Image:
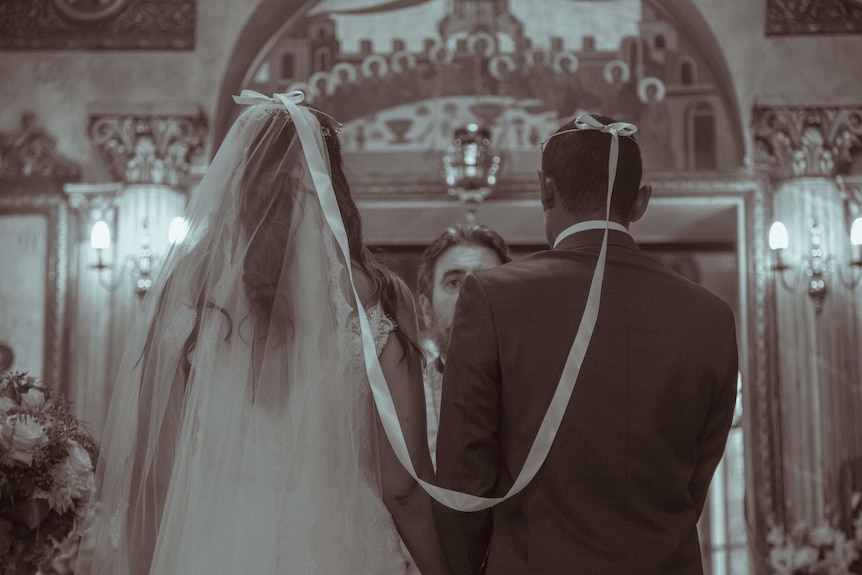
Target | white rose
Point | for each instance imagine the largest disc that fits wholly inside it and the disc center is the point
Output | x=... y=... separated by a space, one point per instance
x=78 y=459
x=7 y=403
x=33 y=399
x=28 y=433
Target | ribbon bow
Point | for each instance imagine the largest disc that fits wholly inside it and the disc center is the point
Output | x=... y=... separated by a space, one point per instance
x=587 y=122
x=252 y=97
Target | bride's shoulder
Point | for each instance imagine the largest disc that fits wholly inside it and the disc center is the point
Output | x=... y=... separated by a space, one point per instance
x=369 y=291
x=365 y=285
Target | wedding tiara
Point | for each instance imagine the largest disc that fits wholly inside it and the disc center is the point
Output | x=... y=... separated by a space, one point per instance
x=326 y=128
x=587 y=122
x=327 y=131
x=251 y=97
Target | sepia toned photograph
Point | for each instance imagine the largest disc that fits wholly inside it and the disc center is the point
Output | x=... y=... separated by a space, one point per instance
x=430 y=287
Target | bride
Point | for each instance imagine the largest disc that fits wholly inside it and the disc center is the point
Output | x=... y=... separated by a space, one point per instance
x=242 y=435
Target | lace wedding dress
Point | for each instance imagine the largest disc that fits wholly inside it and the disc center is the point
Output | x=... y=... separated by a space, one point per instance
x=302 y=521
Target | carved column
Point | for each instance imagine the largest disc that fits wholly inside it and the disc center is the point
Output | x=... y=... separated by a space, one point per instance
x=91 y=332
x=156 y=153
x=819 y=392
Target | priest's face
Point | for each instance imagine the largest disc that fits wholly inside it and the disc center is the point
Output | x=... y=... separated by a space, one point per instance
x=450 y=269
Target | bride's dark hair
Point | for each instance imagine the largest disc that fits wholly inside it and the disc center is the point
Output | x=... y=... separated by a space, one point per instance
x=386 y=288
x=266 y=212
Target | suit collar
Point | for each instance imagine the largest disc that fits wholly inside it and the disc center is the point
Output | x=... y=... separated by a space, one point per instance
x=589 y=225
x=594 y=238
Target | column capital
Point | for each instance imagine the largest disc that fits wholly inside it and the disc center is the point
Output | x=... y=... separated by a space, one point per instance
x=802 y=141
x=149 y=144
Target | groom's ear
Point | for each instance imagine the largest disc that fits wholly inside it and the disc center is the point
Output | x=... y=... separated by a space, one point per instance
x=547 y=189
x=641 y=202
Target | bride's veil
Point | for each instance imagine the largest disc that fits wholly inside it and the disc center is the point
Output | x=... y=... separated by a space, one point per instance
x=232 y=405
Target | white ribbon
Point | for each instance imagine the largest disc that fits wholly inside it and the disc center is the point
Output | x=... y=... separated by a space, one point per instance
x=251 y=97
x=305 y=121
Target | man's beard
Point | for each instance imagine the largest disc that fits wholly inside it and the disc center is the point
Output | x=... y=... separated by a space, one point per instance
x=441 y=338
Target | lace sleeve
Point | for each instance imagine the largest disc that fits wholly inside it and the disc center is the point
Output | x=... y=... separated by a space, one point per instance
x=381 y=326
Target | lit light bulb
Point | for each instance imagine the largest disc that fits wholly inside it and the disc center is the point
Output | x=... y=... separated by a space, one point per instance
x=778 y=236
x=177 y=230
x=856 y=232
x=100 y=236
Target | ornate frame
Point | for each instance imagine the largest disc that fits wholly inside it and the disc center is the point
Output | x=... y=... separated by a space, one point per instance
x=44 y=197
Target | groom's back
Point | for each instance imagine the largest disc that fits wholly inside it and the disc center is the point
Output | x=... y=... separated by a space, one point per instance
x=625 y=480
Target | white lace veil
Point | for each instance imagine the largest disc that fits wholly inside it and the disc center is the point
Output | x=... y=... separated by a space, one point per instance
x=233 y=380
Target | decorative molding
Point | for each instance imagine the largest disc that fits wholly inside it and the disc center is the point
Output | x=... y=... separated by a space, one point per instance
x=31 y=152
x=428 y=186
x=154 y=146
x=698 y=184
x=89 y=11
x=526 y=186
x=794 y=142
x=805 y=17
x=98 y=24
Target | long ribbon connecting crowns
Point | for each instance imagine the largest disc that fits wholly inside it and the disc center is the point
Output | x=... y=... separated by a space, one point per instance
x=305 y=122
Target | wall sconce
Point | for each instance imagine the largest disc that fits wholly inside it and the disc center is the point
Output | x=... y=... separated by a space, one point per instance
x=100 y=240
x=815 y=265
x=140 y=265
x=470 y=167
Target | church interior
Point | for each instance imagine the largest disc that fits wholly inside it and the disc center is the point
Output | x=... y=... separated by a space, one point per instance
x=749 y=118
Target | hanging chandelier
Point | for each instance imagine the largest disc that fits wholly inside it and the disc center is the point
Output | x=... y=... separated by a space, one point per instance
x=470 y=166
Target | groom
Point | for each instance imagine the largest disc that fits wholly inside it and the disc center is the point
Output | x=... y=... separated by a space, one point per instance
x=625 y=480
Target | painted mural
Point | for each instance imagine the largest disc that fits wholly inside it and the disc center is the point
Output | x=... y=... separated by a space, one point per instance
x=402 y=75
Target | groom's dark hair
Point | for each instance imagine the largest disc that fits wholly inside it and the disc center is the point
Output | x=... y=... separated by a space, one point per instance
x=577 y=161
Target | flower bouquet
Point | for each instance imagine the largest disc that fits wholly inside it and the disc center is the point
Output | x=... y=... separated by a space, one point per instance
x=46 y=476
x=824 y=550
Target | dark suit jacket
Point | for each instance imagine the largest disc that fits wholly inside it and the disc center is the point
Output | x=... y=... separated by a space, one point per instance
x=626 y=478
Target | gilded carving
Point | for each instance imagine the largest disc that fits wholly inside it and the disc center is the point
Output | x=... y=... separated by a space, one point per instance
x=89 y=10
x=155 y=149
x=98 y=24
x=807 y=141
x=803 y=17
x=31 y=153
